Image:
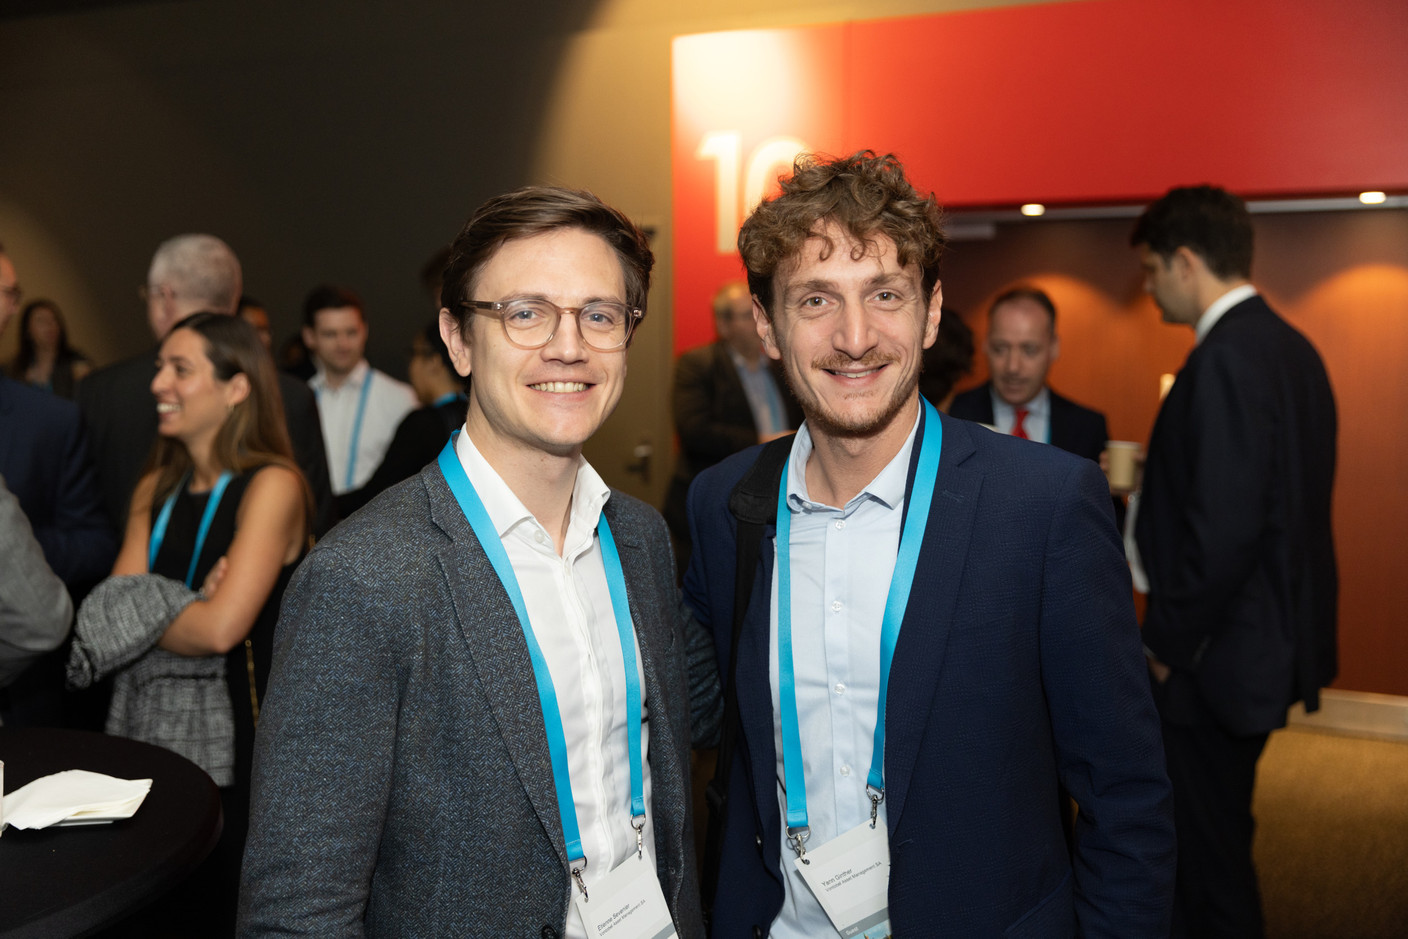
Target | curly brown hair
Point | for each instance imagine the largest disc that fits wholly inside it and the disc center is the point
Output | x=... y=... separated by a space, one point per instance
x=867 y=195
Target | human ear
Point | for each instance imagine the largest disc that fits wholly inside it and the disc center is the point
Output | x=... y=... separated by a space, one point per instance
x=764 y=325
x=455 y=341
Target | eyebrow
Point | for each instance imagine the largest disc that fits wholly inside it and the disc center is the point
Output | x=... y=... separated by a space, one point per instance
x=885 y=278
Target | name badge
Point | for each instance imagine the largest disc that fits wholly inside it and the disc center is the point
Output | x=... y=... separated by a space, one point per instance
x=850 y=877
x=626 y=904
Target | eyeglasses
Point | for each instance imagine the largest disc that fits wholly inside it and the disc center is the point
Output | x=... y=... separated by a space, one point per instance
x=148 y=293
x=605 y=325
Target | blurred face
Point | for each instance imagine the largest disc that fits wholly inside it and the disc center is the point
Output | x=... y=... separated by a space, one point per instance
x=338 y=338
x=259 y=319
x=1169 y=281
x=1021 y=347
x=735 y=326
x=9 y=292
x=850 y=333
x=44 y=328
x=547 y=400
x=191 y=403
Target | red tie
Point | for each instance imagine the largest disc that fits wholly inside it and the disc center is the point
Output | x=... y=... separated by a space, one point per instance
x=1019 y=415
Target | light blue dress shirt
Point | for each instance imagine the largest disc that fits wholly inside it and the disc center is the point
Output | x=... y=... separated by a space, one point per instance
x=842 y=562
x=764 y=397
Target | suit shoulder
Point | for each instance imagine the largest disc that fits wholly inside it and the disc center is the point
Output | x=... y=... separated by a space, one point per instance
x=635 y=513
x=398 y=521
x=718 y=481
x=971 y=405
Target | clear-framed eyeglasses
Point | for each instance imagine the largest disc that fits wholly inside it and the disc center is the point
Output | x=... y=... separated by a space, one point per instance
x=605 y=325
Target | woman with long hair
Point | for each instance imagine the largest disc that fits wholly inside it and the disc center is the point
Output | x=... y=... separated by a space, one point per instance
x=45 y=359
x=222 y=507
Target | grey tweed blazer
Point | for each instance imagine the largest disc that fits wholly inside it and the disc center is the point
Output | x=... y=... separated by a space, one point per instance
x=402 y=784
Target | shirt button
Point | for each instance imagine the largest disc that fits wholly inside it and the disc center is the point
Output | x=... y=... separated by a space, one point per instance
x=840 y=687
x=539 y=537
x=835 y=606
x=840 y=524
x=845 y=770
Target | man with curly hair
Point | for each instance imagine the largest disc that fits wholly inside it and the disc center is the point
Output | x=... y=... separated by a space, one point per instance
x=937 y=631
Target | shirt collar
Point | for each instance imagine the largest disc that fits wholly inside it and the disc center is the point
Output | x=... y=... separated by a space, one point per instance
x=507 y=511
x=739 y=362
x=1219 y=307
x=887 y=487
x=1038 y=407
x=354 y=378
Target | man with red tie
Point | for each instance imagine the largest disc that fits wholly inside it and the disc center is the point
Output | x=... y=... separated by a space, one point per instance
x=1021 y=348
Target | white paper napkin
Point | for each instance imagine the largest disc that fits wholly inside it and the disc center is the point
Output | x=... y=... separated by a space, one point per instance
x=74 y=797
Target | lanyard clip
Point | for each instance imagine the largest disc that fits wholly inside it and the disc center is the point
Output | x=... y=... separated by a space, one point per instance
x=876 y=797
x=798 y=839
x=577 y=876
x=638 y=823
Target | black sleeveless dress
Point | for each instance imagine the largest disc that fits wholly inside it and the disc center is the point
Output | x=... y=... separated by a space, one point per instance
x=210 y=894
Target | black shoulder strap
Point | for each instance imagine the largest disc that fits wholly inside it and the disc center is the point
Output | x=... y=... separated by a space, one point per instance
x=754 y=503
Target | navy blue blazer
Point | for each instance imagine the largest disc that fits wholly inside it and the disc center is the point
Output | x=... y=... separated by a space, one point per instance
x=1234 y=526
x=44 y=459
x=1074 y=428
x=1018 y=664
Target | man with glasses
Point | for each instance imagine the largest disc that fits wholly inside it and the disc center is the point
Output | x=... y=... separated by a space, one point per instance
x=192 y=273
x=479 y=718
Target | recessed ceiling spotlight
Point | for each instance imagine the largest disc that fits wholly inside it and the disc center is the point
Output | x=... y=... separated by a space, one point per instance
x=1033 y=209
x=1373 y=198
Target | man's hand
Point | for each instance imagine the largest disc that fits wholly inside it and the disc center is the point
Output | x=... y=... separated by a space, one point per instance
x=1159 y=670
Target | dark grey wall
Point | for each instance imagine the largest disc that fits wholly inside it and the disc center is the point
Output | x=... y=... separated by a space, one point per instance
x=325 y=141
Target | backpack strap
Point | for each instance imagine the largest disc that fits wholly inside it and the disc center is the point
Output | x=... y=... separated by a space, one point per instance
x=753 y=502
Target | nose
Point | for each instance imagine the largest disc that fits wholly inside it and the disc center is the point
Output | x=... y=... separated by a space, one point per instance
x=566 y=344
x=159 y=381
x=855 y=334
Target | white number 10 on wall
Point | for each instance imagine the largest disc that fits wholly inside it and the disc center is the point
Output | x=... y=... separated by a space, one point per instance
x=768 y=159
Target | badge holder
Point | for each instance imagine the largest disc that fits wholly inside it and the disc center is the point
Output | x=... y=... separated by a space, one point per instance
x=628 y=902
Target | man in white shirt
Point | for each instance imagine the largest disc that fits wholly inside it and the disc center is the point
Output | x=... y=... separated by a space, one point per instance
x=360 y=406
x=479 y=719
x=938 y=630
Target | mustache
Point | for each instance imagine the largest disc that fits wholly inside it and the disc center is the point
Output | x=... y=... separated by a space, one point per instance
x=836 y=361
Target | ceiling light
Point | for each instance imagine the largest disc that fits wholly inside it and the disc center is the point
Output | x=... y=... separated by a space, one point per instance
x=1033 y=209
x=1373 y=198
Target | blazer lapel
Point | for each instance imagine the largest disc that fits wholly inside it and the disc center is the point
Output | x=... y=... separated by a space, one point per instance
x=755 y=708
x=497 y=653
x=919 y=653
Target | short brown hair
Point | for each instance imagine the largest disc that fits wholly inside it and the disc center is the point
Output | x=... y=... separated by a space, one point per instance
x=536 y=210
x=867 y=195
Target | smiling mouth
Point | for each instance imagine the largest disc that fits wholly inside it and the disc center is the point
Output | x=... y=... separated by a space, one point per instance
x=854 y=375
x=167 y=408
x=560 y=387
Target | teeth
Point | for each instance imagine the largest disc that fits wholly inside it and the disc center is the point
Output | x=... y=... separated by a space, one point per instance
x=560 y=387
x=163 y=408
x=863 y=374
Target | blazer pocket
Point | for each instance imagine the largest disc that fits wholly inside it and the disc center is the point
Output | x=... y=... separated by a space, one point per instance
x=1053 y=917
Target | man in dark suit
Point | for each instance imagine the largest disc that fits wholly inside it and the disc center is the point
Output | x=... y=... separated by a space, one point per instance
x=727 y=397
x=1021 y=347
x=1233 y=531
x=455 y=740
x=189 y=274
x=914 y=709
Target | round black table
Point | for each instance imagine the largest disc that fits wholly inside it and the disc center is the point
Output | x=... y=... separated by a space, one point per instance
x=72 y=881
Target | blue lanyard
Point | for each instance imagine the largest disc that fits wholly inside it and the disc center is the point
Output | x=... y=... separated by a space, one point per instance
x=448 y=397
x=478 y=518
x=356 y=426
x=162 y=520
x=901 y=581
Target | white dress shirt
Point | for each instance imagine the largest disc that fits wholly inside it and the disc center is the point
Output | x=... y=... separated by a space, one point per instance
x=1038 y=420
x=569 y=607
x=388 y=401
x=842 y=563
